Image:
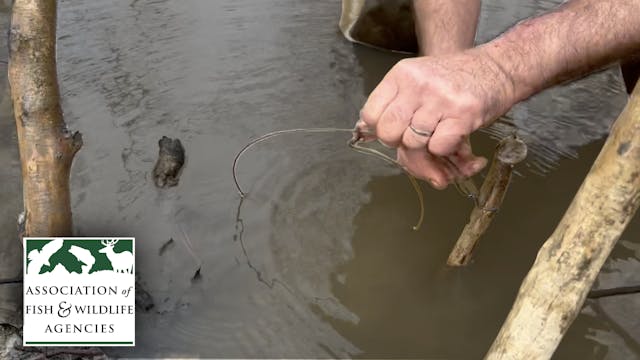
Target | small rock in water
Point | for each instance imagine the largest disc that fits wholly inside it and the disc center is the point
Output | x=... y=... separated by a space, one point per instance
x=166 y=173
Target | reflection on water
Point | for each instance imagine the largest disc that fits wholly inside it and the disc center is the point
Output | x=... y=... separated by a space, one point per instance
x=324 y=262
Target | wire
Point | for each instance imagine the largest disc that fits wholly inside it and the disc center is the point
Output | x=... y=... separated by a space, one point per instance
x=354 y=144
x=268 y=136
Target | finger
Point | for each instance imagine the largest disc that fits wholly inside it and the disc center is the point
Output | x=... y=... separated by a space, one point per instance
x=363 y=132
x=423 y=121
x=378 y=101
x=395 y=119
x=466 y=163
x=448 y=136
x=422 y=165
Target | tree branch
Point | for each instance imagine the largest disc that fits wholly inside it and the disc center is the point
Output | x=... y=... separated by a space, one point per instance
x=46 y=146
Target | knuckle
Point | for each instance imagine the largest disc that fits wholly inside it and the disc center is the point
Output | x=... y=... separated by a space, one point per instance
x=403 y=65
x=470 y=104
x=394 y=116
x=405 y=70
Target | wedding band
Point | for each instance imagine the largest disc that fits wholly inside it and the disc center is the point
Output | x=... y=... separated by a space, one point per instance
x=420 y=132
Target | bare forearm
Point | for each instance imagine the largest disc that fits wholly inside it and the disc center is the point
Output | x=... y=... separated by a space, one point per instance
x=579 y=37
x=446 y=26
x=428 y=106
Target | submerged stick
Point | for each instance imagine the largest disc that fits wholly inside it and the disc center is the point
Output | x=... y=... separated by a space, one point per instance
x=555 y=289
x=510 y=151
x=621 y=290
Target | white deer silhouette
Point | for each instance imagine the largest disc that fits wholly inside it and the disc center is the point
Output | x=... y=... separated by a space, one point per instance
x=121 y=262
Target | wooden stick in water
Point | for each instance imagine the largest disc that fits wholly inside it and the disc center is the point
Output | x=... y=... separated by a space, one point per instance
x=552 y=294
x=47 y=148
x=510 y=151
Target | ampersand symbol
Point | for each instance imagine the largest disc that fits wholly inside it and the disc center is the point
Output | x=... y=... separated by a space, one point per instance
x=63 y=311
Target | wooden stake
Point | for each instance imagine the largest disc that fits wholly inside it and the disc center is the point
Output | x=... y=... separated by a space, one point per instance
x=509 y=152
x=553 y=292
x=46 y=146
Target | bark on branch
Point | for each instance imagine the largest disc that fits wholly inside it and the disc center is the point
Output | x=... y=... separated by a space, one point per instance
x=553 y=292
x=509 y=152
x=46 y=146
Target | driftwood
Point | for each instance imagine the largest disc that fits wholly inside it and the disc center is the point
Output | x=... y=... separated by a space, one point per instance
x=553 y=292
x=509 y=152
x=46 y=146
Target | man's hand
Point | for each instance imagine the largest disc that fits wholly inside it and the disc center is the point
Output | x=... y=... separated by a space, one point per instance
x=428 y=106
x=449 y=96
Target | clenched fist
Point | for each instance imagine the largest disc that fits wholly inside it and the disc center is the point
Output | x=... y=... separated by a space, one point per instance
x=428 y=106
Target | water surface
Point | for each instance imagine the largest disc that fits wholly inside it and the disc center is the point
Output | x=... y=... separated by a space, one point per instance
x=320 y=261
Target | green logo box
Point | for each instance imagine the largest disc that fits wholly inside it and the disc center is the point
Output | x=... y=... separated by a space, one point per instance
x=79 y=292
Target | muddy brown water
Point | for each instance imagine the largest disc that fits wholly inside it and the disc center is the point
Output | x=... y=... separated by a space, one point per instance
x=320 y=261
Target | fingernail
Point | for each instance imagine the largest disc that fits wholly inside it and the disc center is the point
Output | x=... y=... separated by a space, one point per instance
x=434 y=183
x=363 y=127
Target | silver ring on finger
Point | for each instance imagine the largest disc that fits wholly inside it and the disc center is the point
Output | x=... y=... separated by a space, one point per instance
x=424 y=133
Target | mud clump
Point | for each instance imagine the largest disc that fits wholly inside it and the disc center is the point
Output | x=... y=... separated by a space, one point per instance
x=171 y=157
